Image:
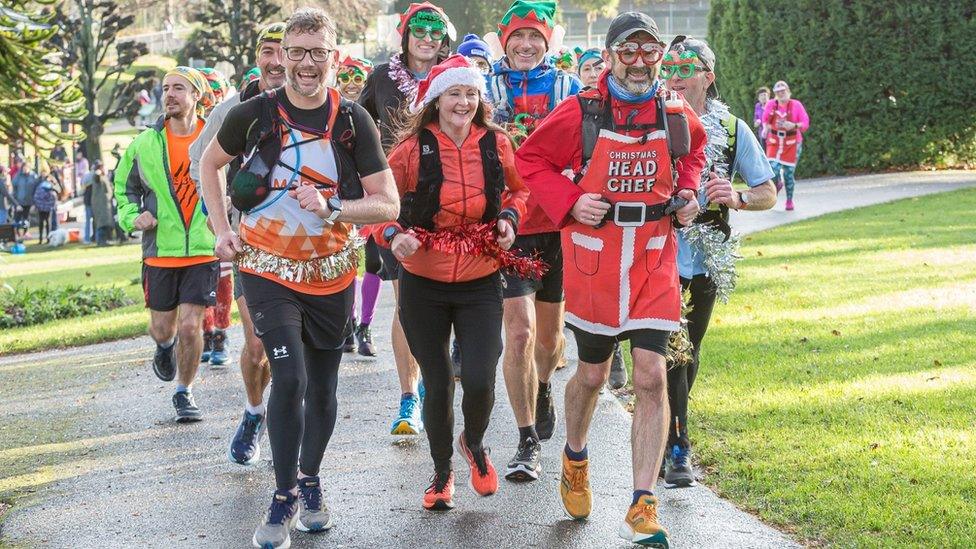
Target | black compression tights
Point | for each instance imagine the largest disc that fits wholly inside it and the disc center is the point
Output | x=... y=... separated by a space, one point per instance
x=428 y=311
x=681 y=379
x=299 y=434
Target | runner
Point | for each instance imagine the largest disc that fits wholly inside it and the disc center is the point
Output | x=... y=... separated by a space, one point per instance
x=622 y=281
x=245 y=447
x=155 y=195
x=786 y=121
x=350 y=79
x=472 y=184
x=216 y=319
x=311 y=158
x=525 y=87
x=477 y=51
x=689 y=69
x=589 y=66
x=424 y=31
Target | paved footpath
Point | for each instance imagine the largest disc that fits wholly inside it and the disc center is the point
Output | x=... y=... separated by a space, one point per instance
x=136 y=479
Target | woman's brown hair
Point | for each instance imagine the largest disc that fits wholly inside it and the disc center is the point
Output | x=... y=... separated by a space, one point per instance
x=409 y=124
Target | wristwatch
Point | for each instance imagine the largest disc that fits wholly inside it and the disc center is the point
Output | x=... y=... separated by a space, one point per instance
x=390 y=232
x=335 y=208
x=742 y=199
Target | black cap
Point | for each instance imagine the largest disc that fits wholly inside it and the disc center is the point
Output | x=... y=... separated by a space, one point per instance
x=629 y=22
x=705 y=54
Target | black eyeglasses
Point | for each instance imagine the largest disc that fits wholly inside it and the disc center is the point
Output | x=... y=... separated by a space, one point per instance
x=319 y=55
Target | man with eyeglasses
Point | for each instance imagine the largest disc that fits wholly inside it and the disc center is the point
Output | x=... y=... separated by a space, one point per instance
x=637 y=155
x=314 y=167
x=425 y=32
x=689 y=69
x=245 y=447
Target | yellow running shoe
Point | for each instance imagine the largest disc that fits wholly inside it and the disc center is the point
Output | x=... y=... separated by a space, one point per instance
x=574 y=487
x=640 y=526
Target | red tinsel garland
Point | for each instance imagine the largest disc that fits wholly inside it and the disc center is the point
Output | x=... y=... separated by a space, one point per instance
x=479 y=239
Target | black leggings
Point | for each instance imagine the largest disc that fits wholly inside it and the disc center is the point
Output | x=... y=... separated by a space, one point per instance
x=299 y=372
x=43 y=225
x=428 y=310
x=681 y=378
x=373 y=261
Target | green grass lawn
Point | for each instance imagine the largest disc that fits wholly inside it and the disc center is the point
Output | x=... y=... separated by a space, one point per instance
x=837 y=390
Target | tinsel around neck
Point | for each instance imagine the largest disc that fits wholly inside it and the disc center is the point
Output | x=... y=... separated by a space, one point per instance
x=403 y=78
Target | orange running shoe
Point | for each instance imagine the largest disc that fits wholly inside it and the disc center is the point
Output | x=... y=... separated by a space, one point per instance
x=439 y=496
x=484 y=479
x=574 y=487
x=640 y=526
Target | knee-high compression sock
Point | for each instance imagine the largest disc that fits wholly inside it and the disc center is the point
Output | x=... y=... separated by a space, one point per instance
x=225 y=296
x=208 y=319
x=371 y=291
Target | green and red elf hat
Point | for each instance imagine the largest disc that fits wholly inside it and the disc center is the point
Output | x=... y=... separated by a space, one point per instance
x=532 y=14
x=415 y=7
x=364 y=65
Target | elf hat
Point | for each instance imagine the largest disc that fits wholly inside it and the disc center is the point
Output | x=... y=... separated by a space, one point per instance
x=456 y=70
x=412 y=10
x=364 y=65
x=528 y=14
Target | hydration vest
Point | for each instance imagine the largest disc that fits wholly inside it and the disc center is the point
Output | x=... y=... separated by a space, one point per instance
x=418 y=207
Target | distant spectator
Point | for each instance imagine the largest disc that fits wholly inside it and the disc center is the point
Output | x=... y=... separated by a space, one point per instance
x=7 y=200
x=81 y=166
x=157 y=93
x=58 y=154
x=146 y=107
x=86 y=192
x=24 y=183
x=46 y=202
x=101 y=189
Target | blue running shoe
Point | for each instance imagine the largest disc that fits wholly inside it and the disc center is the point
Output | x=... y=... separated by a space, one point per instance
x=408 y=422
x=245 y=449
x=421 y=391
x=275 y=528
x=218 y=356
x=677 y=467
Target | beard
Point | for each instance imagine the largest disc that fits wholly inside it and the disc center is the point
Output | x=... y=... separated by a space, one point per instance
x=638 y=88
x=292 y=78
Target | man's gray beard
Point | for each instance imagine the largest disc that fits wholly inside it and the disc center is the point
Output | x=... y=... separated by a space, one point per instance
x=637 y=88
x=294 y=86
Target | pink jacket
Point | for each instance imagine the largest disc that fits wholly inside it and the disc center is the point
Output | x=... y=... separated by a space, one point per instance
x=794 y=113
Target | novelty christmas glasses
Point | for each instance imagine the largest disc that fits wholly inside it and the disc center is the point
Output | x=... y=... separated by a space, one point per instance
x=355 y=76
x=685 y=66
x=650 y=52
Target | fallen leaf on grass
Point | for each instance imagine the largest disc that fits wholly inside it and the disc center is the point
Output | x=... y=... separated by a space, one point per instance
x=758 y=253
x=835 y=332
x=875 y=445
x=804 y=340
x=936 y=363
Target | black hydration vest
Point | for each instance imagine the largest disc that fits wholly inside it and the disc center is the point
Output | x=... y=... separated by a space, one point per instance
x=418 y=207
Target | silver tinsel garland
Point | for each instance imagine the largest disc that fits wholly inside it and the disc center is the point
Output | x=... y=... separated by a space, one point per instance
x=718 y=253
x=297 y=270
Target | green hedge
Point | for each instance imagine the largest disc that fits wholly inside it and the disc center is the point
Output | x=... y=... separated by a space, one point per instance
x=887 y=84
x=28 y=306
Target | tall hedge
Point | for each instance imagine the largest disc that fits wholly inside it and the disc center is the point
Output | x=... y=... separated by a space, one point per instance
x=888 y=84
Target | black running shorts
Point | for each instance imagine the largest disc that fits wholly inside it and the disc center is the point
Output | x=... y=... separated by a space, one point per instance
x=323 y=319
x=596 y=349
x=165 y=288
x=549 y=288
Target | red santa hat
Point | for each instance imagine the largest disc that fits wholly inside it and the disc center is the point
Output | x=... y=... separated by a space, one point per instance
x=456 y=70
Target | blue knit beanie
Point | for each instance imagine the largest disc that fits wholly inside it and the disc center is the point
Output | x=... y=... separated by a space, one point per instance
x=473 y=46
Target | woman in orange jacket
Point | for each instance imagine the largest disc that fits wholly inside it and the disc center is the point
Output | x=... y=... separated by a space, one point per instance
x=456 y=176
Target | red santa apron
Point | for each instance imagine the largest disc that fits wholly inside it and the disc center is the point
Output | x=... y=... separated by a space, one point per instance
x=623 y=275
x=781 y=145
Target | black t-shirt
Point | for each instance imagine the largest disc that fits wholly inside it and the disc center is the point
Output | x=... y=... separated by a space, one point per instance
x=367 y=152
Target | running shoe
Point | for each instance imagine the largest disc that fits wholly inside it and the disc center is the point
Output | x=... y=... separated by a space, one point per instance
x=186 y=408
x=789 y=205
x=314 y=515
x=456 y=359
x=219 y=357
x=640 y=526
x=439 y=496
x=408 y=422
x=484 y=479
x=545 y=412
x=349 y=344
x=574 y=487
x=245 y=449
x=164 y=362
x=365 y=339
x=525 y=466
x=275 y=529
x=618 y=372
x=207 y=346
x=677 y=466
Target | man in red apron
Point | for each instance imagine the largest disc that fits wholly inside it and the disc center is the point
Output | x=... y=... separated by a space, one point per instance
x=619 y=245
